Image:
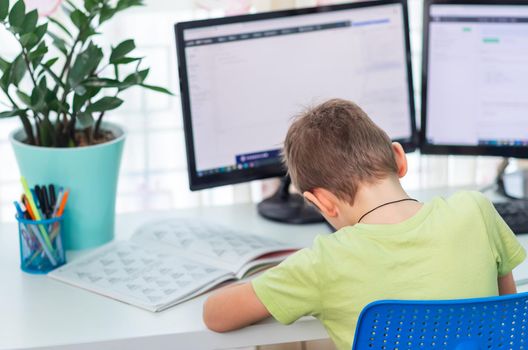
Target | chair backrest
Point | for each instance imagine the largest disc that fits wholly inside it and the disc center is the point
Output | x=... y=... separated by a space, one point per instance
x=467 y=324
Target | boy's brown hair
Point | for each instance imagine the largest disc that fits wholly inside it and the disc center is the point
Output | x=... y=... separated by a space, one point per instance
x=336 y=146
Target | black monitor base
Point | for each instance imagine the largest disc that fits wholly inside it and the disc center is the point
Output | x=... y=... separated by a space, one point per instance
x=512 y=185
x=287 y=207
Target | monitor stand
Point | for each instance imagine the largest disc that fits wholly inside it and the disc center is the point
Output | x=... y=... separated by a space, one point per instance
x=512 y=185
x=287 y=207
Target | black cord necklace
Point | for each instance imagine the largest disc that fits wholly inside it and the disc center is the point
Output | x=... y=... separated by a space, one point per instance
x=384 y=204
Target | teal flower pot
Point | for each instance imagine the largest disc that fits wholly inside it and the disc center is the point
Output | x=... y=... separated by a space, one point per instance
x=91 y=173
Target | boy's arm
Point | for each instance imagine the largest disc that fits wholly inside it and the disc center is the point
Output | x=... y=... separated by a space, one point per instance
x=232 y=308
x=507 y=285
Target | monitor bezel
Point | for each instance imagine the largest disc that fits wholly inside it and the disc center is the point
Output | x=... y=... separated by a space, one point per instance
x=220 y=179
x=478 y=150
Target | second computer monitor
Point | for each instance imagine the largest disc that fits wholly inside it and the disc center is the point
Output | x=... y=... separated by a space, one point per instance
x=475 y=78
x=244 y=78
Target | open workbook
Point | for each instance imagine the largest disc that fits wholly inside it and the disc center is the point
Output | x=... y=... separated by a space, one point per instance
x=170 y=261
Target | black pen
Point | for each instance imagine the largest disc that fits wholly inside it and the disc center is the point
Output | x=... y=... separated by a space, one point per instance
x=38 y=197
x=52 y=195
x=47 y=202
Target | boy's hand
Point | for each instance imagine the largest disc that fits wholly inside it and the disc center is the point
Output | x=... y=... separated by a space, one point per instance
x=233 y=307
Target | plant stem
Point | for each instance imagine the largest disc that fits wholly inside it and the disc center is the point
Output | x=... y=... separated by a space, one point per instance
x=11 y=99
x=24 y=119
x=28 y=129
x=26 y=59
x=97 y=128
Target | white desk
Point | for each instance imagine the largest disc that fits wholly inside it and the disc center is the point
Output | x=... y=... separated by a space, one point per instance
x=37 y=312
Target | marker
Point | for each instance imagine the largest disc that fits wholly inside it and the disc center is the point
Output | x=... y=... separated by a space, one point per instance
x=28 y=207
x=46 y=201
x=52 y=196
x=19 y=210
x=58 y=201
x=23 y=229
x=36 y=214
x=63 y=203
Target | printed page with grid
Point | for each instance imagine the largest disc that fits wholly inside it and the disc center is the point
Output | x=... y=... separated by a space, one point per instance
x=170 y=261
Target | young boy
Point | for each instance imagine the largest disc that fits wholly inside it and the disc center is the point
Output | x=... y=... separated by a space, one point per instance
x=388 y=246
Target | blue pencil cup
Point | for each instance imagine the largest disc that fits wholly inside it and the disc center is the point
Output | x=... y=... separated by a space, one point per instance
x=41 y=248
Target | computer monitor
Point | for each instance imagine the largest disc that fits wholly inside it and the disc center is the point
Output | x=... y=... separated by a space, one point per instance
x=475 y=78
x=244 y=78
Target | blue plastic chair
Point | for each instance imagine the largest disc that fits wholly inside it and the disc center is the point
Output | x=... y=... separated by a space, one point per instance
x=467 y=324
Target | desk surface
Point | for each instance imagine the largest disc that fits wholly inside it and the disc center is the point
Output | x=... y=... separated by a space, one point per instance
x=38 y=312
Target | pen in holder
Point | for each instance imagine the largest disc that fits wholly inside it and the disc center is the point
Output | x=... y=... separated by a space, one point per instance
x=41 y=248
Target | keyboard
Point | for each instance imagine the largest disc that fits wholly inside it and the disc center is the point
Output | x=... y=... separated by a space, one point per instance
x=515 y=213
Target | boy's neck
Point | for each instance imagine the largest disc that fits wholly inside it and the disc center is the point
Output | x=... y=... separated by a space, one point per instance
x=384 y=191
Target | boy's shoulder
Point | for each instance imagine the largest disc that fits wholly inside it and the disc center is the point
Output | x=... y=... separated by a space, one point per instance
x=464 y=204
x=463 y=199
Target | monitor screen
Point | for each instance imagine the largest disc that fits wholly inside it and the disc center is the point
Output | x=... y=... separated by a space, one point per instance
x=475 y=92
x=244 y=78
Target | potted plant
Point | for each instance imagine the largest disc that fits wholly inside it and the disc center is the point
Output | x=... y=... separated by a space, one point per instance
x=60 y=86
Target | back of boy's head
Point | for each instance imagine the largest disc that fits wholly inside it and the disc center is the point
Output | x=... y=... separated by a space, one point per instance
x=336 y=146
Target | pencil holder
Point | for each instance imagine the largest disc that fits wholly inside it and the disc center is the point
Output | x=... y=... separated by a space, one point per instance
x=41 y=248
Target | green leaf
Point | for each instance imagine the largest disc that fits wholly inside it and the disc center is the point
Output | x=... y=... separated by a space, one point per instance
x=13 y=113
x=38 y=95
x=16 y=15
x=3 y=63
x=126 y=60
x=157 y=89
x=91 y=92
x=58 y=106
x=90 y=5
x=106 y=13
x=18 y=70
x=35 y=56
x=79 y=89
x=37 y=99
x=121 y=50
x=40 y=31
x=49 y=63
x=124 y=4
x=86 y=33
x=105 y=104
x=79 y=101
x=30 y=21
x=59 y=43
x=85 y=119
x=61 y=26
x=102 y=82
x=135 y=78
x=6 y=77
x=143 y=74
x=28 y=40
x=79 y=19
x=24 y=98
x=43 y=84
x=4 y=9
x=85 y=64
x=52 y=74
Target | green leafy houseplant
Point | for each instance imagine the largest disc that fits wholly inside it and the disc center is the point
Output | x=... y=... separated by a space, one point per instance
x=69 y=93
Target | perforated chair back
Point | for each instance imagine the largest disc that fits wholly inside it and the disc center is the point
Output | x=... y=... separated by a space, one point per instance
x=467 y=324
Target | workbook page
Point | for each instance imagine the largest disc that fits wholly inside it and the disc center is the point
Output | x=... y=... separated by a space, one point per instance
x=207 y=242
x=143 y=277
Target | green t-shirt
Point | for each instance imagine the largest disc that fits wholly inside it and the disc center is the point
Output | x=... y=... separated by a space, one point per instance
x=452 y=248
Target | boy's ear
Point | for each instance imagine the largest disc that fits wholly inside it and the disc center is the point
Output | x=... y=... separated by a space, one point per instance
x=324 y=200
x=401 y=159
